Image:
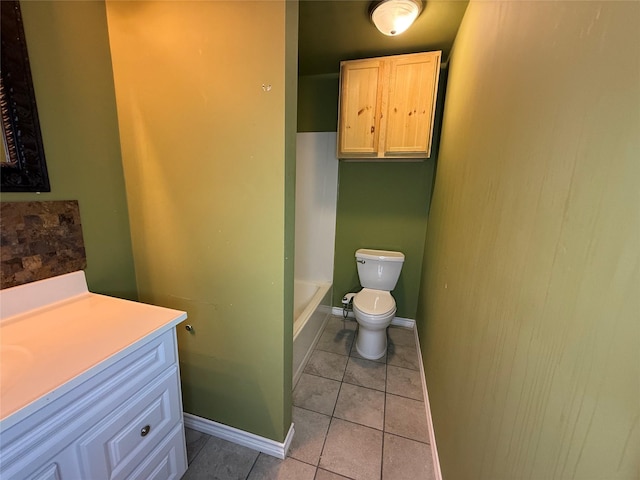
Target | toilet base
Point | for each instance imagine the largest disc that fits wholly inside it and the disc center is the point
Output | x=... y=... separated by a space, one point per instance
x=371 y=344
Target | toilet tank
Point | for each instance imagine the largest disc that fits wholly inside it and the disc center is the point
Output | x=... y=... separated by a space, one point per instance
x=379 y=269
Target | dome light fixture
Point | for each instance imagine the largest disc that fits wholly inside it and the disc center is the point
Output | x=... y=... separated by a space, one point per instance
x=392 y=17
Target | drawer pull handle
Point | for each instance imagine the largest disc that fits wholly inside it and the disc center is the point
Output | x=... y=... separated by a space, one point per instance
x=145 y=430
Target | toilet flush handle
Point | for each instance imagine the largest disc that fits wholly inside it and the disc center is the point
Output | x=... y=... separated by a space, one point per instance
x=360 y=261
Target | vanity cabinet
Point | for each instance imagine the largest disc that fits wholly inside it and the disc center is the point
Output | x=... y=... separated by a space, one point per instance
x=387 y=106
x=124 y=422
x=90 y=385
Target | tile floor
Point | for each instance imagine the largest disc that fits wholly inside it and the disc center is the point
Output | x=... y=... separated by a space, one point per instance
x=354 y=419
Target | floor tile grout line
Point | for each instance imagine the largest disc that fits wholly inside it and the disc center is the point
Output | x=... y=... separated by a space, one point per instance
x=402 y=396
x=329 y=351
x=195 y=455
x=335 y=405
x=362 y=425
x=364 y=386
x=324 y=443
x=313 y=411
x=320 y=376
x=331 y=417
x=252 y=466
x=302 y=461
x=384 y=421
x=406 y=438
x=348 y=478
x=201 y=448
x=404 y=368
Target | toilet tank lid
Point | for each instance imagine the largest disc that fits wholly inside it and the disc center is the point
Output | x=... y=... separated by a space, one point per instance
x=385 y=255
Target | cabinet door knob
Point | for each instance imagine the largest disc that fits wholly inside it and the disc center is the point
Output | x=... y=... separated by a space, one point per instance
x=145 y=430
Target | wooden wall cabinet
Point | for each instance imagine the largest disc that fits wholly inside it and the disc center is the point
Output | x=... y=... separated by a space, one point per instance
x=387 y=106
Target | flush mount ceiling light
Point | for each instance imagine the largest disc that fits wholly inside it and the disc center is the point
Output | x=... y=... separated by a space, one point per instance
x=392 y=17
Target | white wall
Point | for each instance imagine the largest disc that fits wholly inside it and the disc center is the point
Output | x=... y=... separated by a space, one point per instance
x=316 y=197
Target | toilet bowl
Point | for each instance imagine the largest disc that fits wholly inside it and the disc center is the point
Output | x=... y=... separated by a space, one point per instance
x=374 y=307
x=374 y=310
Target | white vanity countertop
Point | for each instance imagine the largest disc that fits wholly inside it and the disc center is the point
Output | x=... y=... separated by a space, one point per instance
x=47 y=350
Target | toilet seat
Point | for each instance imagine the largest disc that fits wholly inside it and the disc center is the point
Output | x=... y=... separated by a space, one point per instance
x=374 y=311
x=375 y=303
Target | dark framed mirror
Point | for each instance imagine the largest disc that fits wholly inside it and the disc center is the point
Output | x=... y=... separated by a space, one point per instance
x=23 y=166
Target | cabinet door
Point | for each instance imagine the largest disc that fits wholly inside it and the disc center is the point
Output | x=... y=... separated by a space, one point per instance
x=360 y=102
x=119 y=442
x=411 y=106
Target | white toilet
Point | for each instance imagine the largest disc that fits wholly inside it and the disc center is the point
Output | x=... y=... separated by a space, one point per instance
x=373 y=306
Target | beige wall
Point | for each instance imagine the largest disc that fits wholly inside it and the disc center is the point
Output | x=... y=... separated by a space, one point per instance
x=529 y=316
x=204 y=153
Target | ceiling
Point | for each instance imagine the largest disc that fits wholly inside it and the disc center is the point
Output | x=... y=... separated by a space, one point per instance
x=335 y=30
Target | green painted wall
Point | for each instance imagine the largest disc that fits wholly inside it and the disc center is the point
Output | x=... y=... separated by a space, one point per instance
x=73 y=81
x=206 y=134
x=382 y=206
x=318 y=102
x=528 y=312
x=291 y=115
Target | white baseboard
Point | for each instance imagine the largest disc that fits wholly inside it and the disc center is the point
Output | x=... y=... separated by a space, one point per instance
x=432 y=435
x=240 y=437
x=403 y=322
x=397 y=321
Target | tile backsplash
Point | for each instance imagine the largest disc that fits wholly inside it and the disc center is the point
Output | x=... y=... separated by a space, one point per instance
x=39 y=240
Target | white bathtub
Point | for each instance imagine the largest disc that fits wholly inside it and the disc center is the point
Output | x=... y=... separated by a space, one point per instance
x=311 y=310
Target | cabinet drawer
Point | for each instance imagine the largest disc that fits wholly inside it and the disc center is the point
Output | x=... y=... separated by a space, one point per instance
x=114 y=447
x=51 y=429
x=167 y=462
